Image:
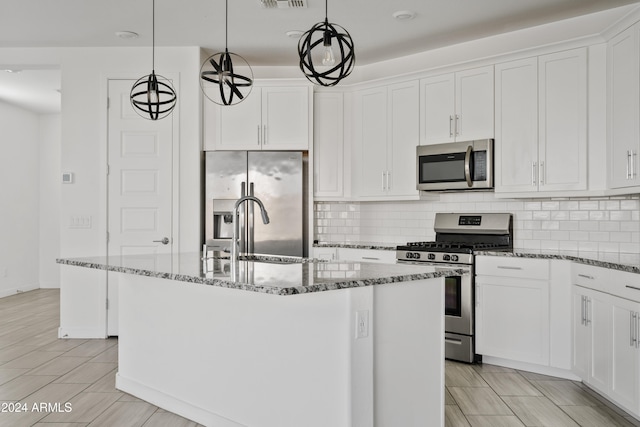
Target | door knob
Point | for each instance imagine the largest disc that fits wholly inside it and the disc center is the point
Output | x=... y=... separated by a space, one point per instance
x=164 y=241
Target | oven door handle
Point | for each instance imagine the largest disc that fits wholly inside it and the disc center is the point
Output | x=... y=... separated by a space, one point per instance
x=467 y=166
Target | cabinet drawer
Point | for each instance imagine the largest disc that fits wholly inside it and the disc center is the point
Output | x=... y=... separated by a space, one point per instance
x=526 y=268
x=615 y=282
x=367 y=255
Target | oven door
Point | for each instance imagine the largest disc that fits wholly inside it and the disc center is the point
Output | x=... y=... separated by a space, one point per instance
x=458 y=304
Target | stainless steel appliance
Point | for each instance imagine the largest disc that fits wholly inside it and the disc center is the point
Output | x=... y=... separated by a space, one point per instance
x=277 y=178
x=458 y=237
x=455 y=166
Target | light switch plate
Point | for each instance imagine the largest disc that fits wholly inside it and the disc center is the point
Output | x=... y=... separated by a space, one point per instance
x=67 y=177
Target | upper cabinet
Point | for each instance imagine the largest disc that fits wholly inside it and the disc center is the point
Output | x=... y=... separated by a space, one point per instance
x=270 y=118
x=457 y=106
x=624 y=108
x=328 y=145
x=541 y=124
x=385 y=137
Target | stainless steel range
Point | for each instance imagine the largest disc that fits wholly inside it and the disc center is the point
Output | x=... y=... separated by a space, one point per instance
x=458 y=238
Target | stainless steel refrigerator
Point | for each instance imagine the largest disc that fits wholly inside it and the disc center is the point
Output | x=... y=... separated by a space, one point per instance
x=277 y=178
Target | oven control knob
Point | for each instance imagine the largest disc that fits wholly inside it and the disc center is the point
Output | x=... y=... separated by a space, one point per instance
x=454 y=257
x=446 y=257
x=431 y=256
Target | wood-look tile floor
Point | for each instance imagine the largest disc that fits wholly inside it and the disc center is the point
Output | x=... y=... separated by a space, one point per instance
x=44 y=373
x=493 y=396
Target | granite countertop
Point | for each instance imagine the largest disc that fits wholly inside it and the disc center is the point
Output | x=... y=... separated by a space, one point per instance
x=617 y=261
x=359 y=245
x=265 y=274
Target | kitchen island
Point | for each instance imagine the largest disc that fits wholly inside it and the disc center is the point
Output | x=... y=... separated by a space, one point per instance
x=275 y=342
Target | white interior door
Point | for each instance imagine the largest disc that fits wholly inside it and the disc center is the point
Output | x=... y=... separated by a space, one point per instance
x=140 y=187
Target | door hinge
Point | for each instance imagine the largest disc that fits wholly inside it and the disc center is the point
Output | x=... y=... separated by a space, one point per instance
x=107 y=303
x=108 y=237
x=108 y=169
x=108 y=102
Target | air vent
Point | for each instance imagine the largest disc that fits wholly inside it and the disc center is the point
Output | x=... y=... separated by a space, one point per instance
x=283 y=4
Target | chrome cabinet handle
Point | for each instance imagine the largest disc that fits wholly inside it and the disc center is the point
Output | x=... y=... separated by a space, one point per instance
x=533 y=172
x=583 y=319
x=628 y=164
x=388 y=180
x=258 y=134
x=635 y=288
x=383 y=184
x=587 y=317
x=632 y=321
x=451 y=126
x=264 y=134
x=164 y=241
x=637 y=329
x=508 y=267
x=541 y=179
x=586 y=276
x=467 y=166
x=458 y=127
x=633 y=165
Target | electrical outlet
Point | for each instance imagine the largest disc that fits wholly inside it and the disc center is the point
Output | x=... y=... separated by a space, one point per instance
x=362 y=324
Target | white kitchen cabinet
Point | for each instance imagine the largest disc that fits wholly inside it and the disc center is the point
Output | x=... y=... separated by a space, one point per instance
x=623 y=59
x=325 y=253
x=606 y=309
x=385 y=129
x=541 y=124
x=367 y=255
x=457 y=106
x=512 y=309
x=270 y=118
x=328 y=145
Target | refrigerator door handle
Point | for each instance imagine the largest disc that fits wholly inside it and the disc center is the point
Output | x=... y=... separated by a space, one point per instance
x=250 y=223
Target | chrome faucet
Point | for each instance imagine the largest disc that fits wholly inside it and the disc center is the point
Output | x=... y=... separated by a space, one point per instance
x=235 y=240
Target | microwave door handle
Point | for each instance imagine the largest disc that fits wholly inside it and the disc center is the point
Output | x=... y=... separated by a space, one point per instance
x=467 y=166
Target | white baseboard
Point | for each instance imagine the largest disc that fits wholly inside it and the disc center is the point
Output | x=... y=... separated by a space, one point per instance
x=531 y=367
x=81 y=333
x=50 y=285
x=173 y=404
x=13 y=291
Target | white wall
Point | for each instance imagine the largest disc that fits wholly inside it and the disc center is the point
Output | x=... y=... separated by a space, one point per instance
x=49 y=200
x=19 y=212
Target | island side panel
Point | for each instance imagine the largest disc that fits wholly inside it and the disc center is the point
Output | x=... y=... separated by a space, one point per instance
x=409 y=353
x=226 y=357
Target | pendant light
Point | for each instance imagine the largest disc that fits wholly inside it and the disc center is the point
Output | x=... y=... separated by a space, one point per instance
x=153 y=96
x=224 y=69
x=329 y=39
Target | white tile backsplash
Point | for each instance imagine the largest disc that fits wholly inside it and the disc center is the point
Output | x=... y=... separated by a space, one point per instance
x=603 y=224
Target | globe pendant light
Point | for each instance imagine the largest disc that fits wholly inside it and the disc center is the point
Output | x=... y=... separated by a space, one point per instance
x=229 y=85
x=153 y=96
x=328 y=38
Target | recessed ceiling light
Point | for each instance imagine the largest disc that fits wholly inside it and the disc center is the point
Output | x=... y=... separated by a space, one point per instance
x=404 y=15
x=127 y=35
x=294 y=34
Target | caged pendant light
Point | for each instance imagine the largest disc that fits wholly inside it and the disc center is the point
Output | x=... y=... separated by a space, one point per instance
x=153 y=96
x=327 y=70
x=229 y=85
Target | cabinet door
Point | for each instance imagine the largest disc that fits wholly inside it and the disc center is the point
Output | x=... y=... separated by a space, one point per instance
x=581 y=359
x=512 y=318
x=404 y=125
x=370 y=128
x=624 y=108
x=474 y=104
x=285 y=118
x=599 y=320
x=625 y=351
x=516 y=143
x=562 y=116
x=328 y=145
x=240 y=124
x=437 y=109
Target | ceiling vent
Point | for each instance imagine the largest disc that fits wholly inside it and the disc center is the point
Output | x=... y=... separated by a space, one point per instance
x=283 y=4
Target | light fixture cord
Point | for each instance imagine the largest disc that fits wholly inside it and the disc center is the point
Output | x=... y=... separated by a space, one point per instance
x=226 y=24
x=153 y=36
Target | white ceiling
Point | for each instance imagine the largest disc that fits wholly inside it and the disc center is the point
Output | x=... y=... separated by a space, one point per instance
x=258 y=34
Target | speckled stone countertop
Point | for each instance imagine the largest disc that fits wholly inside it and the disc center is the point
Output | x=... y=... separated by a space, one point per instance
x=616 y=261
x=271 y=275
x=359 y=245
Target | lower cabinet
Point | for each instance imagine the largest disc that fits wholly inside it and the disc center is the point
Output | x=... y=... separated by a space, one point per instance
x=512 y=311
x=606 y=333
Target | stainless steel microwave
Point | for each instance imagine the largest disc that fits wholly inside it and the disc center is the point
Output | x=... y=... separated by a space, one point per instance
x=455 y=166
